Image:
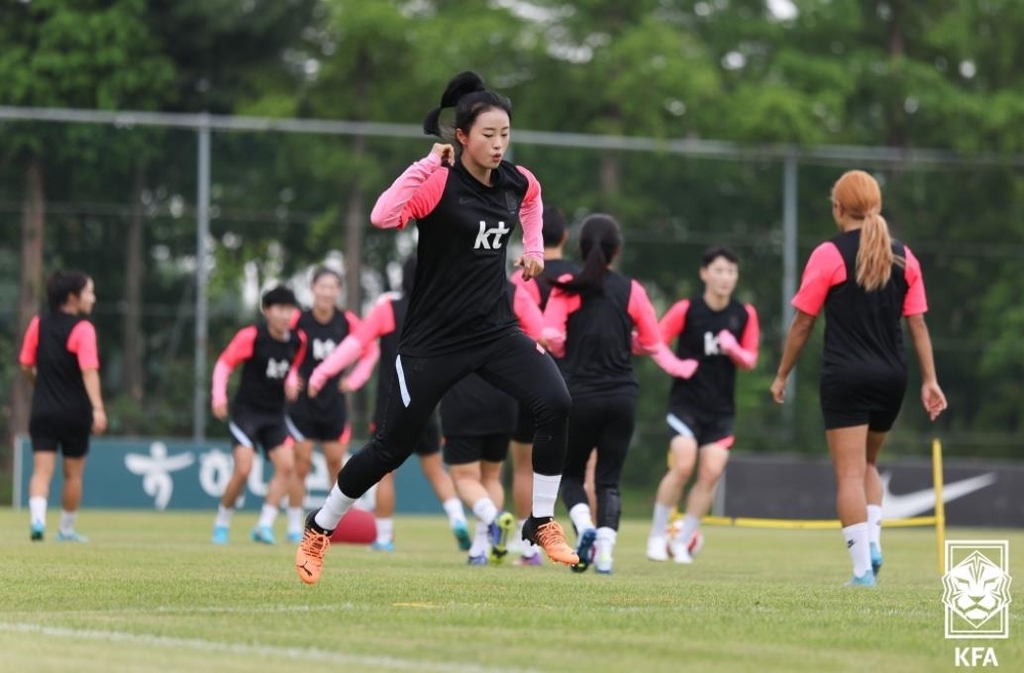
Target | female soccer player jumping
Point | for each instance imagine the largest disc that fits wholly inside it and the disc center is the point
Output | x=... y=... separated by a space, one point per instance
x=866 y=281
x=460 y=321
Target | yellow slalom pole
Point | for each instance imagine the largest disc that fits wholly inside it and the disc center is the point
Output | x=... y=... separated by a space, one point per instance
x=940 y=504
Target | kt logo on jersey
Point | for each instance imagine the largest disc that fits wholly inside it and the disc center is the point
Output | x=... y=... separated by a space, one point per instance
x=490 y=238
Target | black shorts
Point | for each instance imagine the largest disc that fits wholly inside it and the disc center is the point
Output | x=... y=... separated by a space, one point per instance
x=874 y=401
x=71 y=439
x=704 y=427
x=464 y=449
x=429 y=442
x=258 y=429
x=305 y=428
x=525 y=426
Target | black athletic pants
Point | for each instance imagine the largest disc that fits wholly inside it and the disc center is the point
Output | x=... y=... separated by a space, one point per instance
x=513 y=363
x=604 y=423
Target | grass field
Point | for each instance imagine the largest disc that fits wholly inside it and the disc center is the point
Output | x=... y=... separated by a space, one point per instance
x=149 y=593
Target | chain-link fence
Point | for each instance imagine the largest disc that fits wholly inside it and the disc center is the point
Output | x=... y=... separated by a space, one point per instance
x=122 y=196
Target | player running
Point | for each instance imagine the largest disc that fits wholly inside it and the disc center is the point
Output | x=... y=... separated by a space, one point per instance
x=590 y=319
x=866 y=281
x=716 y=335
x=460 y=321
x=322 y=420
x=266 y=351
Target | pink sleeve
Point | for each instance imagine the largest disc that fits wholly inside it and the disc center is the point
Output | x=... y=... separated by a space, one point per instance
x=556 y=315
x=379 y=322
x=82 y=342
x=30 y=345
x=674 y=321
x=412 y=196
x=752 y=332
x=530 y=287
x=241 y=347
x=530 y=317
x=824 y=269
x=300 y=354
x=915 y=302
x=531 y=215
x=360 y=374
x=644 y=317
x=239 y=350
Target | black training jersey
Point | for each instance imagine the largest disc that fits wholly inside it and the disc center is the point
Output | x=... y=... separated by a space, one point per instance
x=60 y=345
x=458 y=299
x=598 y=353
x=863 y=336
x=321 y=339
x=265 y=368
x=712 y=388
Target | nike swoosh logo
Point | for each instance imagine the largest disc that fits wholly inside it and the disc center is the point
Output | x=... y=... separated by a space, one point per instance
x=912 y=504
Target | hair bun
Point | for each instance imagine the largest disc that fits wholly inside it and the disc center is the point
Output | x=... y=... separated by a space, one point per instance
x=460 y=85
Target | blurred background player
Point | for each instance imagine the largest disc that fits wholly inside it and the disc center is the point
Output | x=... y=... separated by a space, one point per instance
x=477 y=420
x=384 y=322
x=266 y=351
x=866 y=281
x=59 y=356
x=589 y=322
x=717 y=334
x=322 y=420
x=538 y=290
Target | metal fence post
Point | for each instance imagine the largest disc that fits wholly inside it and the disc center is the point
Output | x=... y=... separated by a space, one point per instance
x=789 y=253
x=202 y=278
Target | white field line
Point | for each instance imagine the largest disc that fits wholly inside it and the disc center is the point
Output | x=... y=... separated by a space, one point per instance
x=251 y=649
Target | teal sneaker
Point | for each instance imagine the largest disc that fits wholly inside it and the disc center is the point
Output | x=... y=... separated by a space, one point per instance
x=480 y=560
x=220 y=535
x=462 y=535
x=73 y=536
x=388 y=546
x=263 y=535
x=295 y=536
x=876 y=559
x=585 y=550
x=865 y=580
x=37 y=532
x=498 y=533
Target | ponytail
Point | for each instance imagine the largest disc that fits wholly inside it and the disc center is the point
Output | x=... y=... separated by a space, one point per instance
x=600 y=242
x=468 y=95
x=874 y=256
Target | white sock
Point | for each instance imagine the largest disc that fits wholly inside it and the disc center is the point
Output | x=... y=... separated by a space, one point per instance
x=385 y=530
x=875 y=525
x=453 y=508
x=223 y=519
x=295 y=520
x=580 y=515
x=606 y=538
x=67 y=521
x=545 y=492
x=268 y=514
x=485 y=510
x=481 y=540
x=690 y=526
x=856 y=537
x=37 y=510
x=334 y=507
x=660 y=521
